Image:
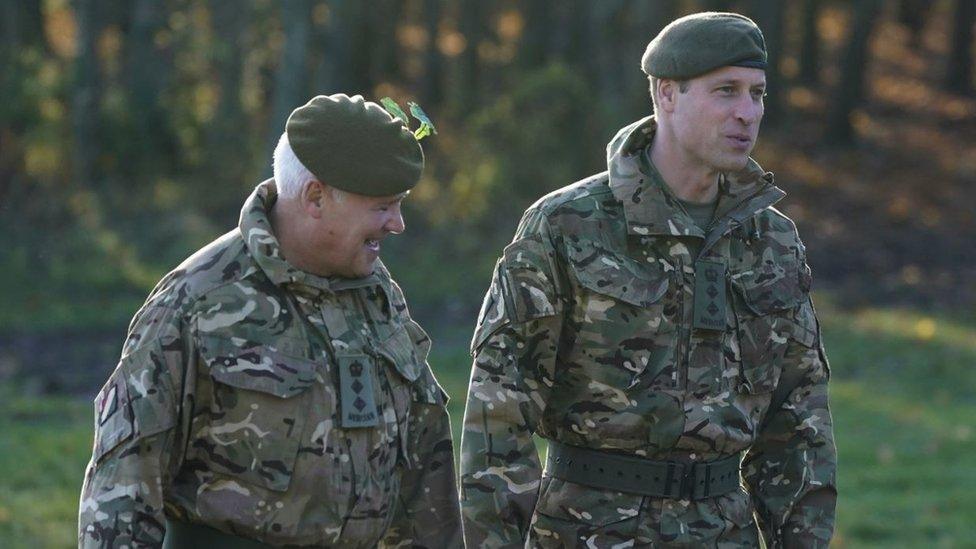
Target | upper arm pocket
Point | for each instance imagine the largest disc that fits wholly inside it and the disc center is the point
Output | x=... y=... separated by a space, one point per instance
x=523 y=288
x=138 y=400
x=528 y=281
x=113 y=416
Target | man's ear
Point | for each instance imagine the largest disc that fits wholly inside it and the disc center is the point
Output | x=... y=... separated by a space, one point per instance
x=666 y=92
x=313 y=198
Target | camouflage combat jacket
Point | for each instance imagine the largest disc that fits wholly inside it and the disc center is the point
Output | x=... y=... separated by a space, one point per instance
x=586 y=337
x=225 y=409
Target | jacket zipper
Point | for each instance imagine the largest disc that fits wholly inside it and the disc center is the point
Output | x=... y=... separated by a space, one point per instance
x=679 y=359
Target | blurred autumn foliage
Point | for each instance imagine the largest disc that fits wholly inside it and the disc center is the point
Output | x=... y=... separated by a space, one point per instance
x=132 y=130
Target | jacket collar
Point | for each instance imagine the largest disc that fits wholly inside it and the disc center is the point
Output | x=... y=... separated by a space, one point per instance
x=264 y=248
x=650 y=208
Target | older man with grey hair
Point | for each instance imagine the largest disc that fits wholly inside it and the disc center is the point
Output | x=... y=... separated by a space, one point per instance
x=274 y=390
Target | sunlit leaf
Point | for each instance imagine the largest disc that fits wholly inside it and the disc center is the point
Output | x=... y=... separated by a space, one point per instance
x=393 y=108
x=422 y=132
x=420 y=115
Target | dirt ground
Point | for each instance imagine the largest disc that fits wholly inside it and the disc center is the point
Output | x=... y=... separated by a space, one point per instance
x=889 y=220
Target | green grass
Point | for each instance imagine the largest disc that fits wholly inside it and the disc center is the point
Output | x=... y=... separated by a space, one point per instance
x=44 y=446
x=903 y=396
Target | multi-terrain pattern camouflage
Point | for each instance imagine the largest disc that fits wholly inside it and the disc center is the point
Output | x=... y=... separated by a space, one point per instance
x=224 y=409
x=586 y=337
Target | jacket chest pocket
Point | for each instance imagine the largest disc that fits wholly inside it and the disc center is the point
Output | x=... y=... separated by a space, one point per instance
x=406 y=350
x=766 y=296
x=624 y=314
x=258 y=411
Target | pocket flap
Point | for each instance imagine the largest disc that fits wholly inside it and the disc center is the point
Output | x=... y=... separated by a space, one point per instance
x=617 y=276
x=242 y=363
x=527 y=274
x=430 y=392
x=770 y=287
x=565 y=500
x=805 y=327
x=763 y=342
x=401 y=350
x=736 y=507
x=492 y=316
x=407 y=348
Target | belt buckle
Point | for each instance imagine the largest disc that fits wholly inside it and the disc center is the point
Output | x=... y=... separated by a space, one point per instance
x=687 y=488
x=684 y=475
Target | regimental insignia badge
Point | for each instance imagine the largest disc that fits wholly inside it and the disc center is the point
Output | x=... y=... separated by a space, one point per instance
x=358 y=401
x=108 y=404
x=710 y=299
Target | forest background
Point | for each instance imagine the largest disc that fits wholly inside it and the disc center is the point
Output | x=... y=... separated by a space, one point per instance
x=132 y=130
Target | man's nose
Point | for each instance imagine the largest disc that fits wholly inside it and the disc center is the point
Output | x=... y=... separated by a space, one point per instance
x=394 y=223
x=748 y=110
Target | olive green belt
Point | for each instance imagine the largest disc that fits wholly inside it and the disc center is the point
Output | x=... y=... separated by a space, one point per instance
x=184 y=535
x=636 y=475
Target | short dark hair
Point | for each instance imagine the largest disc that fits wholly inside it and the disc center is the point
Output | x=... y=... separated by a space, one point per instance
x=683 y=86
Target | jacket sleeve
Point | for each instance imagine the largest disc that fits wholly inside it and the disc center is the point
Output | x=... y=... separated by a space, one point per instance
x=428 y=515
x=791 y=470
x=135 y=445
x=514 y=349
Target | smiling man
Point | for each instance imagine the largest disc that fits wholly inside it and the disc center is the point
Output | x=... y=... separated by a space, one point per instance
x=654 y=324
x=273 y=390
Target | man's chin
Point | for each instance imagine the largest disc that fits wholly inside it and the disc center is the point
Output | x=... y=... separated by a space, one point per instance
x=355 y=271
x=362 y=271
x=733 y=164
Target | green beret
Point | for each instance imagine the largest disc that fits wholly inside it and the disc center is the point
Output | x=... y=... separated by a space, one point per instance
x=702 y=42
x=355 y=145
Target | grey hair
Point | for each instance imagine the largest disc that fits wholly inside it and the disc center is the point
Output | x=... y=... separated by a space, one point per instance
x=290 y=174
x=683 y=86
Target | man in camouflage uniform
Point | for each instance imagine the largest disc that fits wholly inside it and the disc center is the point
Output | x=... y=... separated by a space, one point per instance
x=274 y=390
x=653 y=322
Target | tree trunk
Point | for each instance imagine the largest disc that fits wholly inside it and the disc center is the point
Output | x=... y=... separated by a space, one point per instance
x=291 y=85
x=810 y=44
x=850 y=89
x=230 y=21
x=770 y=18
x=86 y=95
x=432 y=86
x=21 y=25
x=147 y=70
x=959 y=69
x=534 y=44
x=383 y=19
x=569 y=30
x=650 y=17
x=21 y=28
x=607 y=19
x=654 y=16
x=326 y=64
x=471 y=24
x=913 y=14
x=349 y=47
